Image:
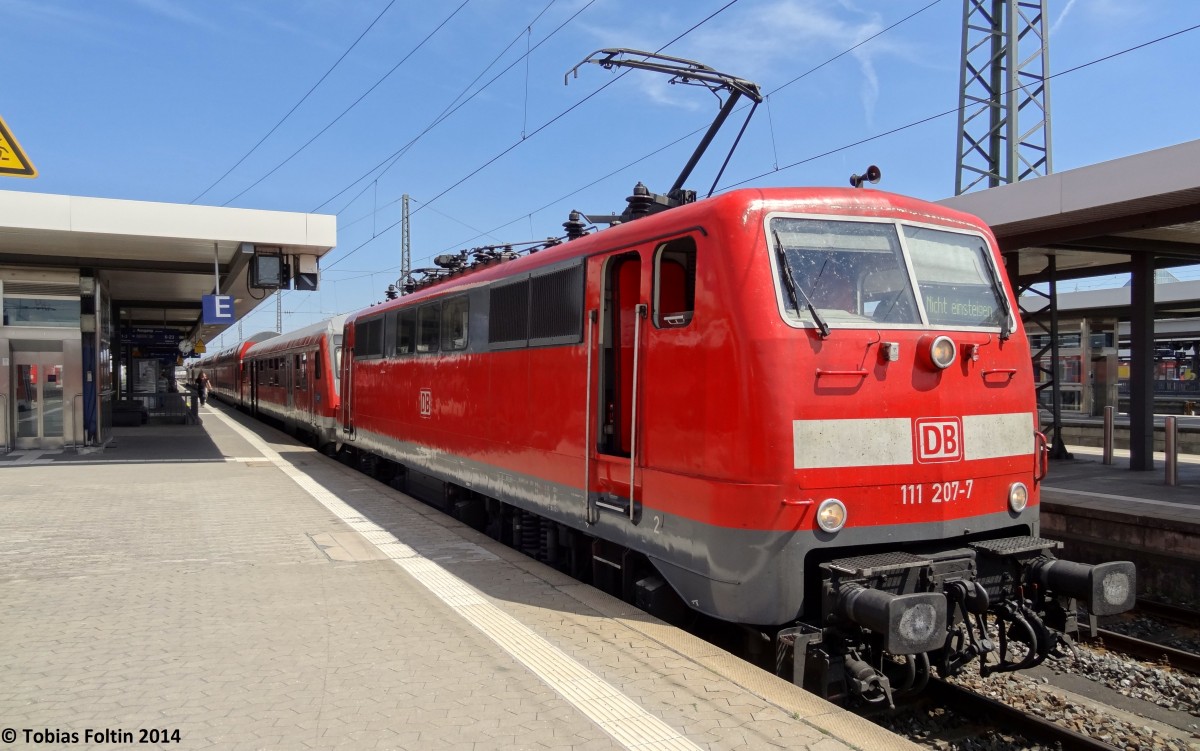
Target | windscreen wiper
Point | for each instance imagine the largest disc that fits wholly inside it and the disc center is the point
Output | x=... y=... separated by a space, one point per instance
x=790 y=282
x=997 y=287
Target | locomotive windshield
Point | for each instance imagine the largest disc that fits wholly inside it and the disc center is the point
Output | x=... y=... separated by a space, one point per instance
x=855 y=273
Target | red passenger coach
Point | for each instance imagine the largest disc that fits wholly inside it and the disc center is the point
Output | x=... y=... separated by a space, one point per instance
x=293 y=378
x=226 y=378
x=810 y=411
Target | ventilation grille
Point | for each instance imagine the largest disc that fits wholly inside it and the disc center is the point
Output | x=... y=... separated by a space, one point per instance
x=41 y=289
x=557 y=302
x=508 y=313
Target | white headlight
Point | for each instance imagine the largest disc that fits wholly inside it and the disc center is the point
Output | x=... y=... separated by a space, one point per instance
x=942 y=352
x=1018 y=497
x=831 y=515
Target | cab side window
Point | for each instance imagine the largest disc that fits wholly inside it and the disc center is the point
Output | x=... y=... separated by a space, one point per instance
x=675 y=283
x=429 y=319
x=454 y=324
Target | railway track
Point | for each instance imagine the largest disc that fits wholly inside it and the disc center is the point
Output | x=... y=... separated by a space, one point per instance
x=1149 y=651
x=1013 y=720
x=1144 y=650
x=1181 y=615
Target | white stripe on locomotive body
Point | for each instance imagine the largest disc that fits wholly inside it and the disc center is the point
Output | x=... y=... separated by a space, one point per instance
x=860 y=442
x=884 y=442
x=994 y=436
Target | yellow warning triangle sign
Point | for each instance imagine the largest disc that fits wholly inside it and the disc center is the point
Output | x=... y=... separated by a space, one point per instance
x=12 y=160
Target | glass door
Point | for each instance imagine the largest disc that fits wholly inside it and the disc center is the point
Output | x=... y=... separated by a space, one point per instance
x=38 y=404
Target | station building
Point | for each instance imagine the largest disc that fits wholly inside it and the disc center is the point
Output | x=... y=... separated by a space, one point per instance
x=101 y=298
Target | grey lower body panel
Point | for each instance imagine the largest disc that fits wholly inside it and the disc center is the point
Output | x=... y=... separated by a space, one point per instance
x=740 y=575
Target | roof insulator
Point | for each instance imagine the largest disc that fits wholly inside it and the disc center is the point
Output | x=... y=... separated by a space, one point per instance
x=575 y=226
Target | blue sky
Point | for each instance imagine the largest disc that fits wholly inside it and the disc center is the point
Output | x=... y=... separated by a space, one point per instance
x=157 y=99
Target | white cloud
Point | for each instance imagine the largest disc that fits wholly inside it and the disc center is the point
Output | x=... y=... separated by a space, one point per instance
x=1062 y=17
x=178 y=12
x=769 y=42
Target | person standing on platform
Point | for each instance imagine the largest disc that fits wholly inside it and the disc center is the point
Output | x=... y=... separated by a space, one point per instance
x=202 y=387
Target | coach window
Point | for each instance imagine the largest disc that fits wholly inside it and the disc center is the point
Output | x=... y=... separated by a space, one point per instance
x=389 y=333
x=454 y=324
x=404 y=331
x=429 y=320
x=675 y=283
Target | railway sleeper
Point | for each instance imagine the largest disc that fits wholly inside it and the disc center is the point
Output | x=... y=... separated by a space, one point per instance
x=887 y=620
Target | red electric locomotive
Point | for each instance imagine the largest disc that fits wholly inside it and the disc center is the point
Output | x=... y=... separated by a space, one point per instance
x=799 y=408
x=806 y=411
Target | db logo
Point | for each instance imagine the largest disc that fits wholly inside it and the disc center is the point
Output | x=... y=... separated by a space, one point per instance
x=426 y=402
x=939 y=439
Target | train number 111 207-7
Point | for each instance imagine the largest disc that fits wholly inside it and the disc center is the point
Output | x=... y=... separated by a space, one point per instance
x=936 y=492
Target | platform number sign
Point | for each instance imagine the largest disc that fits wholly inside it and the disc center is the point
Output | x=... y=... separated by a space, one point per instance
x=939 y=439
x=426 y=402
x=217 y=308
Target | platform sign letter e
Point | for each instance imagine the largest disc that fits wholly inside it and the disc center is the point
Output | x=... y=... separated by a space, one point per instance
x=217 y=308
x=939 y=439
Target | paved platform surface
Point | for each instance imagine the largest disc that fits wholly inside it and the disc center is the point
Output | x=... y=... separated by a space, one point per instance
x=224 y=582
x=1084 y=481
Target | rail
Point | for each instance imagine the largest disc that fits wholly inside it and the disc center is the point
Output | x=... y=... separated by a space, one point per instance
x=1177 y=613
x=1013 y=719
x=1144 y=650
x=4 y=419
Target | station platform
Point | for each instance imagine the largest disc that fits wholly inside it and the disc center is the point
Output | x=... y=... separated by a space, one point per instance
x=227 y=587
x=1109 y=512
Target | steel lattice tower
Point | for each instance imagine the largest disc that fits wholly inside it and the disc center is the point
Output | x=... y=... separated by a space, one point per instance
x=1004 y=137
x=405 y=250
x=1004 y=95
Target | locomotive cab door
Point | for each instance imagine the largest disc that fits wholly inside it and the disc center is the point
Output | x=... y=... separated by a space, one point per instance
x=620 y=323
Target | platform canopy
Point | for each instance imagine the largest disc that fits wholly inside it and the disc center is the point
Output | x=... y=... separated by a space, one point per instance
x=157 y=259
x=1095 y=219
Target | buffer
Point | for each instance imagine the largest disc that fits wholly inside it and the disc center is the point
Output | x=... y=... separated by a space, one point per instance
x=12 y=159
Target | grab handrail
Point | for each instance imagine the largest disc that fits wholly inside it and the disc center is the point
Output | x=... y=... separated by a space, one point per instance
x=639 y=313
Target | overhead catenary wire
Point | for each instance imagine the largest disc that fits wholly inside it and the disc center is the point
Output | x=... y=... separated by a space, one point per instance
x=353 y=104
x=452 y=108
x=808 y=72
x=541 y=128
x=614 y=172
x=685 y=136
x=953 y=110
x=296 y=106
x=845 y=147
x=830 y=151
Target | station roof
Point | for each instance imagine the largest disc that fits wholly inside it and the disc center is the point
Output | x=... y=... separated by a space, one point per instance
x=1094 y=219
x=1172 y=300
x=157 y=259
